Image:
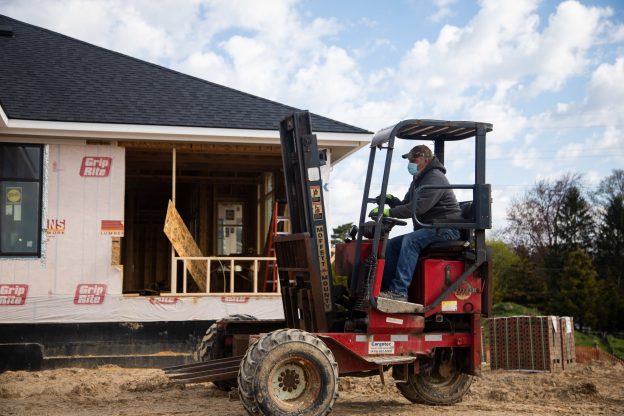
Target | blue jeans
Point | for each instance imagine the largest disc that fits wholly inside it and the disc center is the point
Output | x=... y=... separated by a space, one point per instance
x=402 y=256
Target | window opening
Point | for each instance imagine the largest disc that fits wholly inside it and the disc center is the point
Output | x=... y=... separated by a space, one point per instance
x=21 y=181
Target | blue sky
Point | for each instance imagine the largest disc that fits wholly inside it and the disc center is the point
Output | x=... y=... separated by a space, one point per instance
x=548 y=74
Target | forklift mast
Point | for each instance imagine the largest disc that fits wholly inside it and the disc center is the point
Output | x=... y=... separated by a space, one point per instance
x=304 y=256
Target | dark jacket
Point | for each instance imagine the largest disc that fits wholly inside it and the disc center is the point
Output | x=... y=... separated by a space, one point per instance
x=431 y=204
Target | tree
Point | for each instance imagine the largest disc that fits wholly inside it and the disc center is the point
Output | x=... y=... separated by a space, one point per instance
x=610 y=242
x=341 y=233
x=610 y=186
x=609 y=256
x=574 y=225
x=532 y=218
x=525 y=285
x=504 y=264
x=610 y=308
x=578 y=289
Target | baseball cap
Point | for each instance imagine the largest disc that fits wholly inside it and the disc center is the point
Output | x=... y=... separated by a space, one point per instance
x=420 y=150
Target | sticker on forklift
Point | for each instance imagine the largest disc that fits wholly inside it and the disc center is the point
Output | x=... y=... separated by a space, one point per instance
x=315 y=193
x=399 y=338
x=317 y=210
x=14 y=195
x=324 y=266
x=449 y=306
x=464 y=291
x=394 y=321
x=314 y=174
x=432 y=338
x=381 y=347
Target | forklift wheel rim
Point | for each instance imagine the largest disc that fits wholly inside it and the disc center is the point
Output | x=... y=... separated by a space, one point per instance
x=294 y=383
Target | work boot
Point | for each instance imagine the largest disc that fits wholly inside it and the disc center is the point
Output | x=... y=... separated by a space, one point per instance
x=393 y=296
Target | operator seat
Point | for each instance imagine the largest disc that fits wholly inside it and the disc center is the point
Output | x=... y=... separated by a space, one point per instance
x=454 y=247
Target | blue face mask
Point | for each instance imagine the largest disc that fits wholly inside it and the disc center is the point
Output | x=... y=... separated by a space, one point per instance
x=412 y=168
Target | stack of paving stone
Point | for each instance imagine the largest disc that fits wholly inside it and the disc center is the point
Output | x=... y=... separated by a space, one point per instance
x=533 y=343
x=568 y=352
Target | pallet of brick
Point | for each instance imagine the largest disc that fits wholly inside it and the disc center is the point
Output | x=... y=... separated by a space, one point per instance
x=568 y=351
x=530 y=343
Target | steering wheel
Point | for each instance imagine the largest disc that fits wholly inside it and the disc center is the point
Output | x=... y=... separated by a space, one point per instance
x=392 y=221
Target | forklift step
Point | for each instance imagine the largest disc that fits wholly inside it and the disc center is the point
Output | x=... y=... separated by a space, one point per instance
x=389 y=359
x=396 y=306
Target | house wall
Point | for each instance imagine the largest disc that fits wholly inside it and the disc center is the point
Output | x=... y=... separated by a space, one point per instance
x=74 y=281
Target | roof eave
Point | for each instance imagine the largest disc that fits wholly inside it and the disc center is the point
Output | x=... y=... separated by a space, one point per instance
x=348 y=142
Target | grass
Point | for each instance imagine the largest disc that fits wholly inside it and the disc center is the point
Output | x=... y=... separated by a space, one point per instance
x=617 y=346
x=588 y=340
x=513 y=309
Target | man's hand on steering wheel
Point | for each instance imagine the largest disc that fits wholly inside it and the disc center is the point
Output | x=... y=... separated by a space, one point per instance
x=375 y=212
x=391 y=200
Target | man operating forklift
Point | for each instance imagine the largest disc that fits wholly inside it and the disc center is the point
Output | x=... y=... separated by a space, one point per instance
x=431 y=204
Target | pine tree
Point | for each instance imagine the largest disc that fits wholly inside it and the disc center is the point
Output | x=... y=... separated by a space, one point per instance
x=610 y=249
x=610 y=262
x=578 y=289
x=610 y=242
x=574 y=226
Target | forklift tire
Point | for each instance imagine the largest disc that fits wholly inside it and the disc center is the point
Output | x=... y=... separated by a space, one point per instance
x=288 y=372
x=212 y=347
x=434 y=388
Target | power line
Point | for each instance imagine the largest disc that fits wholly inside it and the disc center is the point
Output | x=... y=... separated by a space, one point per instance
x=605 y=155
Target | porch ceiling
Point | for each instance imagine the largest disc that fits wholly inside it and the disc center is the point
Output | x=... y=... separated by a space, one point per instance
x=203 y=164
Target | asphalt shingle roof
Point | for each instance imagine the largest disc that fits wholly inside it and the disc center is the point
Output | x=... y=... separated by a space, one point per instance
x=48 y=76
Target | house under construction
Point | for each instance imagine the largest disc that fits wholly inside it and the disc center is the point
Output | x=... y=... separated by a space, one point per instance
x=135 y=198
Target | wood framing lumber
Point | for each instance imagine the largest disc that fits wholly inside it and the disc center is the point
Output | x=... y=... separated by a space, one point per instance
x=184 y=244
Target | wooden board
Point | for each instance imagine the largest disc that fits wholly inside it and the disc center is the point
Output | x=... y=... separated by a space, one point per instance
x=116 y=251
x=184 y=244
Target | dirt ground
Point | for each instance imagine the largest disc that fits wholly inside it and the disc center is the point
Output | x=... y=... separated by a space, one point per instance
x=596 y=388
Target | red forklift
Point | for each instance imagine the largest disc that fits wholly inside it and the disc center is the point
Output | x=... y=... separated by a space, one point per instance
x=431 y=343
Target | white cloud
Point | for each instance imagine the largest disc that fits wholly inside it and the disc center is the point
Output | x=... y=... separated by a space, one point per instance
x=606 y=148
x=494 y=69
x=143 y=29
x=445 y=9
x=501 y=49
x=563 y=51
x=500 y=201
x=207 y=65
x=605 y=91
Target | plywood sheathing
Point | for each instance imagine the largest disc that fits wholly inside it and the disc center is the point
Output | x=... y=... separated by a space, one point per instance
x=184 y=244
x=116 y=251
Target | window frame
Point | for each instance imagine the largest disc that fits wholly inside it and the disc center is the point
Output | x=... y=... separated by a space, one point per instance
x=40 y=181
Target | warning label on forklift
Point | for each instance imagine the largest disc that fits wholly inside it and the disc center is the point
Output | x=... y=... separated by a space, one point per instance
x=449 y=306
x=381 y=347
x=317 y=210
x=315 y=193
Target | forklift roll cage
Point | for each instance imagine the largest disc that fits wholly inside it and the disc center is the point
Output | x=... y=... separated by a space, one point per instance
x=439 y=132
